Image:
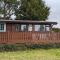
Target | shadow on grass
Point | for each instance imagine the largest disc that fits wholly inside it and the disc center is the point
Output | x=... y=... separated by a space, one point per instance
x=23 y=47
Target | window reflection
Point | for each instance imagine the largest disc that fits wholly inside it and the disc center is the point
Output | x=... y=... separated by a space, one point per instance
x=30 y=27
x=42 y=27
x=37 y=28
x=24 y=27
x=18 y=27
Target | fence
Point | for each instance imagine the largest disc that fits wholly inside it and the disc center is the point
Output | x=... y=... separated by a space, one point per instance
x=29 y=37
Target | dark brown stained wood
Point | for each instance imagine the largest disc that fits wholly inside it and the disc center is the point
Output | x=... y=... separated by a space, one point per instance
x=29 y=22
x=29 y=37
x=9 y=27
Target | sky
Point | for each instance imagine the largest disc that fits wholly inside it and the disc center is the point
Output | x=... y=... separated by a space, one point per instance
x=54 y=11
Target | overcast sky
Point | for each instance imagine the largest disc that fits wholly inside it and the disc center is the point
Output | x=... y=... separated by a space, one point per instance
x=54 y=10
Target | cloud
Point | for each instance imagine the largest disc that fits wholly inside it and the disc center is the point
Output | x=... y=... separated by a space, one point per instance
x=54 y=10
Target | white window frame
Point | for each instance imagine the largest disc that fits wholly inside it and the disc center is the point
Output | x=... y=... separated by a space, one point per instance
x=4 y=27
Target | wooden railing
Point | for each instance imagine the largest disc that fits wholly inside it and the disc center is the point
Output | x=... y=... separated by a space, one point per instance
x=29 y=37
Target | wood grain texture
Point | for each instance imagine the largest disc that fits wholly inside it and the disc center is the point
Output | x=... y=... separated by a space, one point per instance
x=29 y=37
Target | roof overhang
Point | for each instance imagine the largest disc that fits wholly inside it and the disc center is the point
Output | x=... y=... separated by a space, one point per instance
x=29 y=22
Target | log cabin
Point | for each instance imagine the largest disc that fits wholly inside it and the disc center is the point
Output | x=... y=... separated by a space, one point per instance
x=27 y=32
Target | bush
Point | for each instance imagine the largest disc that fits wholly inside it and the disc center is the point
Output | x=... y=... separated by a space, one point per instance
x=15 y=47
x=47 y=46
x=12 y=47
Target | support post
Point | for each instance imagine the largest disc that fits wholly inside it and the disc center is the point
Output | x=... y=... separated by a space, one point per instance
x=51 y=27
x=33 y=27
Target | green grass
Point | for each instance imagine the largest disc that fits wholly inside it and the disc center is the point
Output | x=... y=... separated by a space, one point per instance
x=36 y=54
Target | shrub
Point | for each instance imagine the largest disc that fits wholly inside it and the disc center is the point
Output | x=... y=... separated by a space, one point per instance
x=15 y=47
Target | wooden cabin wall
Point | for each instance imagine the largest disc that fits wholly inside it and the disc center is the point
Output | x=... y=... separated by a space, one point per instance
x=10 y=27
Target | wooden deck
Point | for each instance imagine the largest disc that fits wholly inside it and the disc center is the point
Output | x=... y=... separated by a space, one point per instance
x=29 y=37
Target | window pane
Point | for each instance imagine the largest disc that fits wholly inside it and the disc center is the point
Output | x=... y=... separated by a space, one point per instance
x=37 y=27
x=18 y=27
x=30 y=27
x=1 y=26
x=42 y=27
x=24 y=28
x=47 y=29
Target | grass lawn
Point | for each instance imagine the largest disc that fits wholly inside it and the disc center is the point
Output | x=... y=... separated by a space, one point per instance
x=37 y=54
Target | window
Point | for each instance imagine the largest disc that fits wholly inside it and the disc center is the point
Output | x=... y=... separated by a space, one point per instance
x=29 y=27
x=42 y=27
x=24 y=27
x=47 y=28
x=2 y=27
x=39 y=27
x=21 y=27
x=18 y=27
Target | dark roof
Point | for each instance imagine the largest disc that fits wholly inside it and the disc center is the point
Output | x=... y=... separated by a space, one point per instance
x=29 y=21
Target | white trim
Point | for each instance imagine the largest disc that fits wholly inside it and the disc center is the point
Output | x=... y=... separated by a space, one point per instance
x=4 y=27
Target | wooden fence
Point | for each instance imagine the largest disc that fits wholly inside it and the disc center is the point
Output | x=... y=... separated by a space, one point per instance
x=29 y=37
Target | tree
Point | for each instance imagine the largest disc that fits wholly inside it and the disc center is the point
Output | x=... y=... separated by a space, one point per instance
x=56 y=29
x=32 y=10
x=24 y=9
x=8 y=7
